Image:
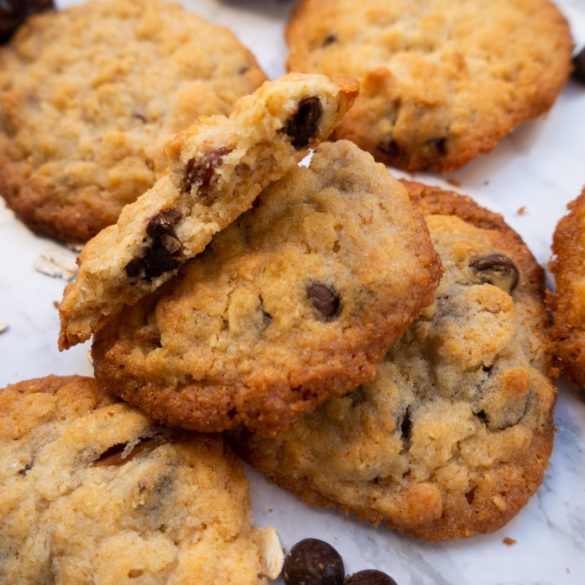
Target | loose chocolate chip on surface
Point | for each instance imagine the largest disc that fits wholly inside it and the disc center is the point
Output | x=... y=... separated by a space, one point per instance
x=578 y=73
x=324 y=299
x=14 y=12
x=303 y=126
x=163 y=224
x=496 y=269
x=313 y=562
x=370 y=577
x=200 y=172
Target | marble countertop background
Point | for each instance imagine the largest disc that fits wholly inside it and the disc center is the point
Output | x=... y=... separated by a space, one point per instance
x=540 y=168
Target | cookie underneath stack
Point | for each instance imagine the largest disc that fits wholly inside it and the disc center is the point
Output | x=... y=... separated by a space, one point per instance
x=452 y=436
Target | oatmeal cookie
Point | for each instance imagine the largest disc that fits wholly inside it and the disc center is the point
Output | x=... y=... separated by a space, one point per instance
x=217 y=167
x=90 y=95
x=295 y=302
x=568 y=302
x=452 y=436
x=91 y=490
x=442 y=81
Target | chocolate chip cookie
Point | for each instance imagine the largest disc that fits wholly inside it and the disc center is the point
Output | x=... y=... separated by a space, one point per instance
x=442 y=81
x=568 y=302
x=295 y=302
x=217 y=167
x=90 y=95
x=452 y=436
x=91 y=490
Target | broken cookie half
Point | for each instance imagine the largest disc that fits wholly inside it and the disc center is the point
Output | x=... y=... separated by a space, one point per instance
x=217 y=168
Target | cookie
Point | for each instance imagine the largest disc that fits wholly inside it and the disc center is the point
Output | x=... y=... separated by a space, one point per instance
x=91 y=490
x=568 y=302
x=90 y=95
x=217 y=167
x=295 y=302
x=442 y=82
x=452 y=436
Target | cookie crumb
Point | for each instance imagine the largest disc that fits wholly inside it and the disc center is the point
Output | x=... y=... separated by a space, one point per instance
x=486 y=182
x=454 y=182
x=56 y=263
x=521 y=210
x=3 y=326
x=89 y=357
x=509 y=541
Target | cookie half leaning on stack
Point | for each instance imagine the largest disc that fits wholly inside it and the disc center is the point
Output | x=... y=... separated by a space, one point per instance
x=92 y=490
x=296 y=301
x=441 y=81
x=452 y=436
x=90 y=95
x=217 y=167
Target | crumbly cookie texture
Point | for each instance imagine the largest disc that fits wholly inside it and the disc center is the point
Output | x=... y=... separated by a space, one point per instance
x=217 y=167
x=442 y=81
x=295 y=302
x=91 y=490
x=90 y=95
x=452 y=436
x=568 y=301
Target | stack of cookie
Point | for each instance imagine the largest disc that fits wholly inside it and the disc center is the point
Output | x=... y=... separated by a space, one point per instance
x=369 y=344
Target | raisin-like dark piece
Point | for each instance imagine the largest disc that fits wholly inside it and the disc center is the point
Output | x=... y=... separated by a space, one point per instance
x=496 y=269
x=115 y=454
x=163 y=224
x=370 y=577
x=406 y=428
x=324 y=299
x=313 y=562
x=303 y=126
x=200 y=172
x=14 y=12
x=578 y=73
x=158 y=260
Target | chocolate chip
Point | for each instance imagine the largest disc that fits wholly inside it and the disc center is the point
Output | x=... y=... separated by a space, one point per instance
x=329 y=40
x=117 y=455
x=496 y=269
x=313 y=562
x=439 y=144
x=370 y=577
x=578 y=73
x=324 y=299
x=406 y=428
x=139 y=116
x=389 y=146
x=156 y=261
x=303 y=126
x=163 y=224
x=199 y=173
x=14 y=12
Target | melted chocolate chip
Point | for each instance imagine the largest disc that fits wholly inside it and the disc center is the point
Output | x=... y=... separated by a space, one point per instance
x=496 y=269
x=200 y=173
x=324 y=299
x=439 y=144
x=303 y=126
x=115 y=454
x=313 y=562
x=163 y=224
x=578 y=73
x=406 y=428
x=14 y=12
x=389 y=146
x=329 y=40
x=370 y=577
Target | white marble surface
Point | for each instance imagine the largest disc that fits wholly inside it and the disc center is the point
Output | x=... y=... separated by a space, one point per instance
x=541 y=167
